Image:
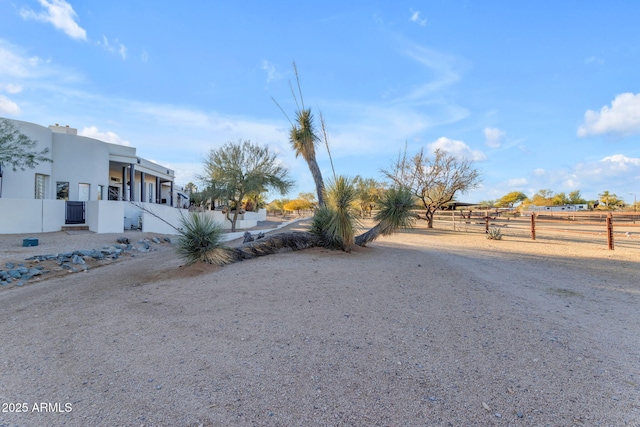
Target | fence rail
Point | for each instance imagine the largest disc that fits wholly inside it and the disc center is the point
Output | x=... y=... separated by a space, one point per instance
x=623 y=230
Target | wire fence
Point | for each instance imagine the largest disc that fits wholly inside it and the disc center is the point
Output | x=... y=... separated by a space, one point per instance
x=608 y=229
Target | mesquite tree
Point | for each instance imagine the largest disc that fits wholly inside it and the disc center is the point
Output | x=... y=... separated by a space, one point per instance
x=435 y=180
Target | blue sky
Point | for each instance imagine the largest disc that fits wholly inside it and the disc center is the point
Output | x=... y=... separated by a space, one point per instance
x=541 y=94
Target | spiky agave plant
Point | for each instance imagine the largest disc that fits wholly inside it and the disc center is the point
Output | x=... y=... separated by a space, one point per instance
x=201 y=241
x=396 y=212
x=340 y=195
x=320 y=226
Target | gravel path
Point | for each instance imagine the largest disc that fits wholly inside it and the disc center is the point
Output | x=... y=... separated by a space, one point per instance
x=424 y=328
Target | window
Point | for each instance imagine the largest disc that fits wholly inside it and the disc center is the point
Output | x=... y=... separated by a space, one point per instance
x=100 y=192
x=41 y=186
x=150 y=193
x=83 y=192
x=62 y=190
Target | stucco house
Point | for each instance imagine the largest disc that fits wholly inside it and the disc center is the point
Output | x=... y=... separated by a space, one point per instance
x=89 y=182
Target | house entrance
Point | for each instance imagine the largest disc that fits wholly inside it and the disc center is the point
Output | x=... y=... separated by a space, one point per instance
x=75 y=213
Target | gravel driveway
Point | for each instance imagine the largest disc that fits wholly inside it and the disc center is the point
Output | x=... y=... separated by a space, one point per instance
x=428 y=328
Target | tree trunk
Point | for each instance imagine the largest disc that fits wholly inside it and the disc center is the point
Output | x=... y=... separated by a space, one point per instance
x=369 y=236
x=317 y=178
x=429 y=215
x=233 y=221
x=295 y=241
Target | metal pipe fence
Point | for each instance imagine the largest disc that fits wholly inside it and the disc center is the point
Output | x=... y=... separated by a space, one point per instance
x=608 y=229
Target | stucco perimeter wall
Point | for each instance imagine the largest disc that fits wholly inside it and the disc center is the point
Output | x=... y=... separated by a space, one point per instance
x=242 y=222
x=104 y=216
x=218 y=217
x=31 y=216
x=161 y=218
x=53 y=214
x=261 y=215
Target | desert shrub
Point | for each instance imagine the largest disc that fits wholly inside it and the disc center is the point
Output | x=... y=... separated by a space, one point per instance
x=340 y=196
x=494 y=233
x=396 y=210
x=201 y=241
x=396 y=213
x=320 y=224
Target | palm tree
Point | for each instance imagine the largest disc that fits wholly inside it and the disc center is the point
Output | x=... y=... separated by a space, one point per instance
x=303 y=139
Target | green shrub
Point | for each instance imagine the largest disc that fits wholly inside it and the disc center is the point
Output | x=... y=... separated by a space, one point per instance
x=340 y=195
x=494 y=233
x=320 y=227
x=201 y=241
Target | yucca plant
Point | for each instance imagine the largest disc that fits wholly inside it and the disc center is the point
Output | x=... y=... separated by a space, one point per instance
x=494 y=233
x=340 y=195
x=396 y=212
x=320 y=226
x=201 y=241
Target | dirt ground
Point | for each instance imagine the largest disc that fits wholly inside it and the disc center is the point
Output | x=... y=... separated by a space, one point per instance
x=428 y=327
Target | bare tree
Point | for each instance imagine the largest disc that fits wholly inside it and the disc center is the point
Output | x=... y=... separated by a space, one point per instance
x=434 y=180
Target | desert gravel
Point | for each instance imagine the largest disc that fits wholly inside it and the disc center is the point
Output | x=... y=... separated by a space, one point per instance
x=427 y=328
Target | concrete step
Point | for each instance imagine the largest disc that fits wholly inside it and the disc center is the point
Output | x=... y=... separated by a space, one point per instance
x=75 y=227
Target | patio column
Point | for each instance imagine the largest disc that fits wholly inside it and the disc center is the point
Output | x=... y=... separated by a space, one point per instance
x=124 y=183
x=132 y=183
x=171 y=195
x=158 y=190
x=143 y=193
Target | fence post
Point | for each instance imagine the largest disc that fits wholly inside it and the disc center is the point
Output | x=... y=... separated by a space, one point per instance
x=453 y=217
x=533 y=226
x=610 y=230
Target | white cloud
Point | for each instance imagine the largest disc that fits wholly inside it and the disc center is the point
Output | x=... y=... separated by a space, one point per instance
x=539 y=172
x=493 y=137
x=32 y=72
x=118 y=49
x=272 y=73
x=621 y=162
x=457 y=148
x=609 y=173
x=517 y=182
x=622 y=118
x=443 y=68
x=122 y=50
x=594 y=60
x=415 y=17
x=111 y=137
x=12 y=64
x=9 y=107
x=60 y=14
x=11 y=88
